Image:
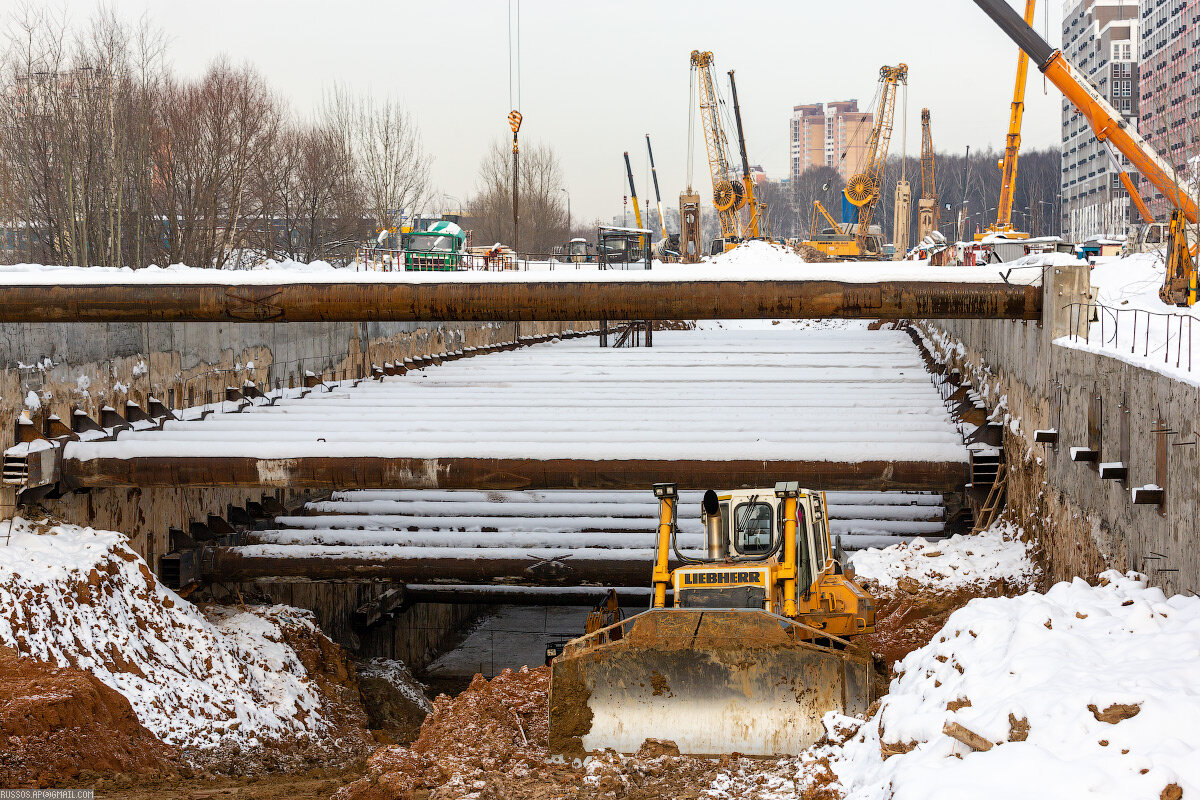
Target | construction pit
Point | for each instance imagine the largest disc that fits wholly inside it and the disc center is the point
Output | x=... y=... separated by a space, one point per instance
x=985 y=665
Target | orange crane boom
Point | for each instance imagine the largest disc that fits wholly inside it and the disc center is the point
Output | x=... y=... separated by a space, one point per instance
x=1105 y=121
x=1012 y=148
x=1180 y=285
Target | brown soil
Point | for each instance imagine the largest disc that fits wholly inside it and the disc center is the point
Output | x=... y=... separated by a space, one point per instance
x=58 y=723
x=503 y=725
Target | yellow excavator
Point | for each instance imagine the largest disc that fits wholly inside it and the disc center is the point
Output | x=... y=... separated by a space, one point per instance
x=749 y=655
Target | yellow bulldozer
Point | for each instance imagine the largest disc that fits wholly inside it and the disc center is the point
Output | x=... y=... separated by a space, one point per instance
x=750 y=655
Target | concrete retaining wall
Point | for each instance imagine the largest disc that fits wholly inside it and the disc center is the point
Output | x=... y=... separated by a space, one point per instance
x=1084 y=523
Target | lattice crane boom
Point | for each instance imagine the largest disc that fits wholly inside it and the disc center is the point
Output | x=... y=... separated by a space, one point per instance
x=863 y=189
x=728 y=195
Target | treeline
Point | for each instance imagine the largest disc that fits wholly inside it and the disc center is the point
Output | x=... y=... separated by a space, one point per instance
x=109 y=158
x=1035 y=196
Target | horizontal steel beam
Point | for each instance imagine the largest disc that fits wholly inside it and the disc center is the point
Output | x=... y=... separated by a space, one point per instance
x=524 y=595
x=518 y=300
x=231 y=564
x=350 y=472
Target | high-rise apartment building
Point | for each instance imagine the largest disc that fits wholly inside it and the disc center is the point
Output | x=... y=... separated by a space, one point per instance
x=1169 y=88
x=822 y=133
x=1100 y=37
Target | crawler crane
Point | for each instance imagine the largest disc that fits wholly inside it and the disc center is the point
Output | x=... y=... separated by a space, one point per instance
x=927 y=206
x=730 y=195
x=863 y=191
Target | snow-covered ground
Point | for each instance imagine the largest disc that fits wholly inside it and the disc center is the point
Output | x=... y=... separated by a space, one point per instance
x=1134 y=325
x=995 y=554
x=751 y=261
x=1084 y=691
x=80 y=597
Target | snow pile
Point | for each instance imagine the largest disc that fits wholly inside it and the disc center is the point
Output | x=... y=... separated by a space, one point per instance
x=78 y=597
x=1081 y=691
x=756 y=253
x=975 y=560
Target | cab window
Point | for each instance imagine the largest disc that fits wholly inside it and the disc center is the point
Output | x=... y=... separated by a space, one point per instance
x=753 y=531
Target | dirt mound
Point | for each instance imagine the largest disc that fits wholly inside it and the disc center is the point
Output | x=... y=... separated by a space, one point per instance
x=57 y=723
x=395 y=701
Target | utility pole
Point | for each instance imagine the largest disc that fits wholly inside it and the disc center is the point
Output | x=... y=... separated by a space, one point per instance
x=568 y=194
x=514 y=122
x=962 y=209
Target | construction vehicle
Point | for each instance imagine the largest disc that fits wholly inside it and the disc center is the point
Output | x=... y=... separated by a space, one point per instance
x=857 y=238
x=637 y=209
x=832 y=239
x=1002 y=227
x=750 y=653
x=1179 y=287
x=667 y=248
x=440 y=248
x=927 y=205
x=730 y=194
x=757 y=209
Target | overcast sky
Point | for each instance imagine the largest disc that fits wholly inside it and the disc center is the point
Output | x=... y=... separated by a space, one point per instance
x=597 y=76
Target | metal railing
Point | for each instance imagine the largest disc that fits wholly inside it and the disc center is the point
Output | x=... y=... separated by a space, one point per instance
x=1152 y=335
x=382 y=259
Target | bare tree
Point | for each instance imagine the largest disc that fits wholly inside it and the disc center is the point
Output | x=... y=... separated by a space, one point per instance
x=381 y=139
x=543 y=211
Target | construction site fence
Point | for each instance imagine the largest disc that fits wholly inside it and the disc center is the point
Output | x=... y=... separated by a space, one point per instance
x=1153 y=335
x=387 y=260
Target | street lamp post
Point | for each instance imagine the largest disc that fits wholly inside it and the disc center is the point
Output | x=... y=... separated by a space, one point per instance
x=568 y=194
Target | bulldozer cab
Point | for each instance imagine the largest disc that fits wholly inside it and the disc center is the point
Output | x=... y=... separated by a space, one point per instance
x=745 y=551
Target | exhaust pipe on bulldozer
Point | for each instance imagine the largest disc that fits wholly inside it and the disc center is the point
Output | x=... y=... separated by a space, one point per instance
x=714 y=537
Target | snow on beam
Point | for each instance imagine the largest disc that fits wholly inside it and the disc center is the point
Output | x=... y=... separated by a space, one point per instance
x=458 y=299
x=378 y=472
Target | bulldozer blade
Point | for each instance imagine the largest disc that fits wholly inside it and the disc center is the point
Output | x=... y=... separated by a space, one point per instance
x=712 y=682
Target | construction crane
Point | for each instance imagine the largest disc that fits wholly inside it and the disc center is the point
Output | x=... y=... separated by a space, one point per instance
x=662 y=220
x=863 y=189
x=637 y=210
x=927 y=206
x=855 y=239
x=757 y=209
x=729 y=196
x=1012 y=149
x=1179 y=287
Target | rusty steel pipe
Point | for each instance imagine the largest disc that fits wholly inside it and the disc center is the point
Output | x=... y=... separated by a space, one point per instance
x=230 y=564
x=513 y=300
x=354 y=472
x=538 y=596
